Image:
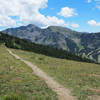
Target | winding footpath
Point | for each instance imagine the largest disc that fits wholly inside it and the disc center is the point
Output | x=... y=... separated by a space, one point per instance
x=62 y=92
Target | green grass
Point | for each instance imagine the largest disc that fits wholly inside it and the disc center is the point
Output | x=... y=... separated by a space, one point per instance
x=18 y=82
x=83 y=79
x=99 y=58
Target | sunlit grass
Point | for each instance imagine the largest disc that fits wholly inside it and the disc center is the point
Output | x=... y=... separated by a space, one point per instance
x=83 y=79
x=18 y=82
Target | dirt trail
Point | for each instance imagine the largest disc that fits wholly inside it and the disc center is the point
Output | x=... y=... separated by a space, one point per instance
x=63 y=93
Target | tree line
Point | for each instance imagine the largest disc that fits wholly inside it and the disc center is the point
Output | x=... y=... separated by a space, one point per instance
x=17 y=43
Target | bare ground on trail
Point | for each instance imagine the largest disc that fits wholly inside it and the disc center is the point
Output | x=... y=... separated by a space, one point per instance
x=62 y=92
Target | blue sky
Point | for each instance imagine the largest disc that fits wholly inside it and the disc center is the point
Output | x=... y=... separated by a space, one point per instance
x=80 y=15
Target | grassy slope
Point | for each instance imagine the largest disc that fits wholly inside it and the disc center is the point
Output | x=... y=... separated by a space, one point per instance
x=82 y=78
x=18 y=79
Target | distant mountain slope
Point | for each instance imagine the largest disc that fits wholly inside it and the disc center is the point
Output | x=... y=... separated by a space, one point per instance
x=16 y=43
x=86 y=45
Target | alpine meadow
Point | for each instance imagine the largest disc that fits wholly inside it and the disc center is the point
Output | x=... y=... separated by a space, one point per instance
x=50 y=50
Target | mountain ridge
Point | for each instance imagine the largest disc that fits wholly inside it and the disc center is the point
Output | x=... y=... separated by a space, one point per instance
x=80 y=43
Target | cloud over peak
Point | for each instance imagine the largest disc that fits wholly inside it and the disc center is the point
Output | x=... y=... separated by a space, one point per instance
x=67 y=12
x=27 y=12
x=93 y=23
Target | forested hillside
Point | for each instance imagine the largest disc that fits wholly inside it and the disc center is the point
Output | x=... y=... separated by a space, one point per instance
x=14 y=42
x=81 y=43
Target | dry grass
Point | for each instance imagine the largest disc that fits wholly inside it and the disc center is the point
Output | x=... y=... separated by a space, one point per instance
x=18 y=82
x=72 y=74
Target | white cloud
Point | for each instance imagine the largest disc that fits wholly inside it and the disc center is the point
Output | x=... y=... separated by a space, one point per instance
x=7 y=21
x=89 y=1
x=98 y=7
x=75 y=25
x=93 y=23
x=67 y=12
x=28 y=12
